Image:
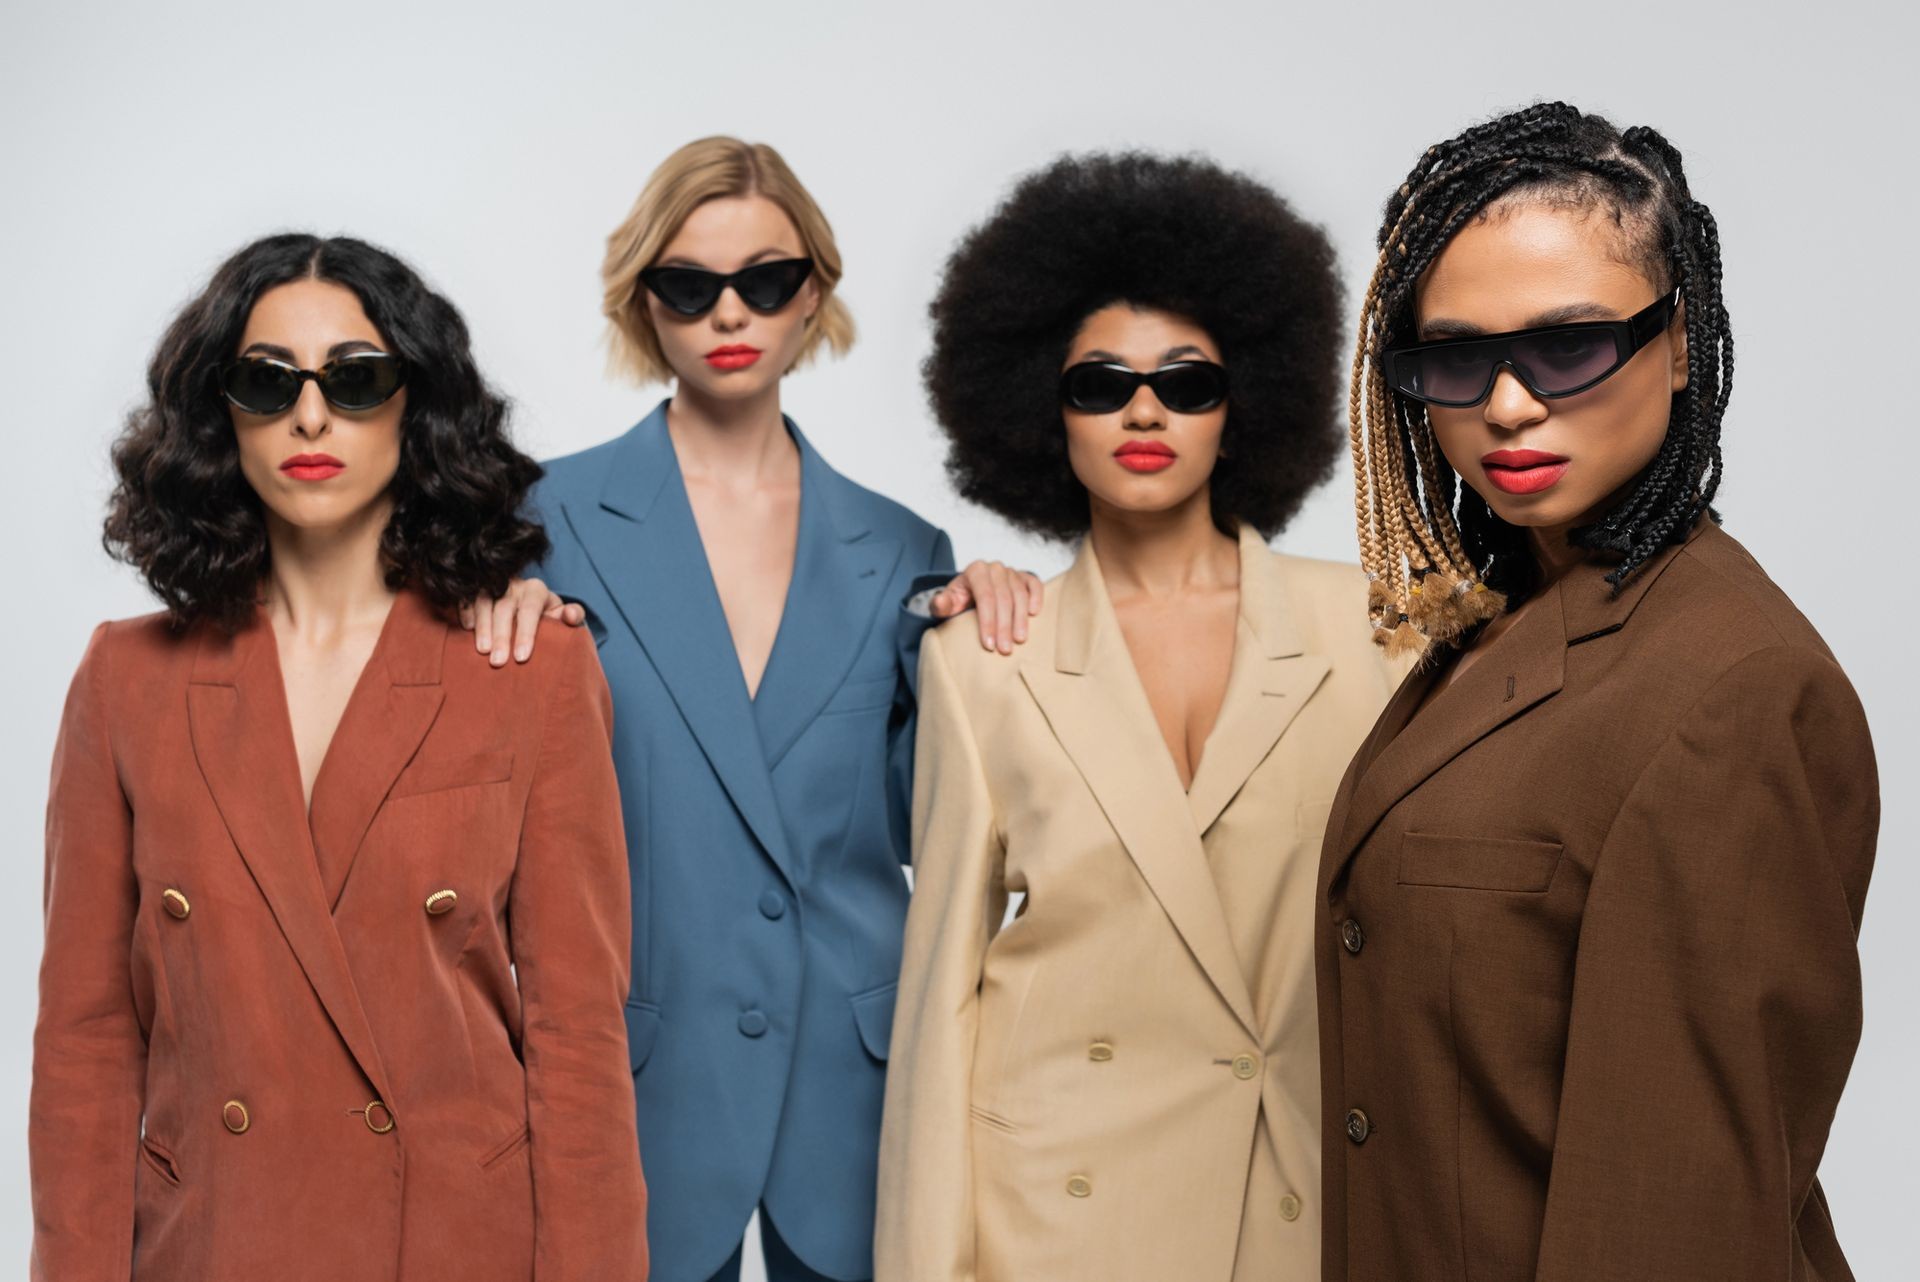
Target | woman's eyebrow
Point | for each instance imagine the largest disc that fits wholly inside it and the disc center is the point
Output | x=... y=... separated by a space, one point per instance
x=1182 y=352
x=274 y=350
x=1447 y=327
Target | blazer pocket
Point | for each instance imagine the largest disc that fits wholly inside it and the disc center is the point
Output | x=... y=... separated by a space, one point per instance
x=992 y=1121
x=643 y=1029
x=1478 y=863
x=160 y=1159
x=506 y=1149
x=873 y=1017
x=460 y=772
x=861 y=696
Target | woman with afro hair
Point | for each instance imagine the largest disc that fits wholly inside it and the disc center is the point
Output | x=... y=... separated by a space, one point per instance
x=1137 y=353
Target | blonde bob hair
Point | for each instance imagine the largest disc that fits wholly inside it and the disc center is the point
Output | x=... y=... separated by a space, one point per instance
x=710 y=169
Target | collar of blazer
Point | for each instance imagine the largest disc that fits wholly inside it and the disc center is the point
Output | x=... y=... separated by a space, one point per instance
x=642 y=540
x=243 y=741
x=1092 y=697
x=1517 y=672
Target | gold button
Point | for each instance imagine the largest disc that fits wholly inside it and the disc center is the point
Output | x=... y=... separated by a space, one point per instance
x=234 y=1114
x=175 y=902
x=441 y=901
x=1080 y=1186
x=1100 y=1052
x=1289 y=1207
x=1245 y=1066
x=379 y=1117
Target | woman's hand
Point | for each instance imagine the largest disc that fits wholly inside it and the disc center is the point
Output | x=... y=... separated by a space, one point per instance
x=1004 y=600
x=512 y=620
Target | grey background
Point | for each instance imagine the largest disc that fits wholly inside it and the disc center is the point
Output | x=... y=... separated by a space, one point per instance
x=495 y=149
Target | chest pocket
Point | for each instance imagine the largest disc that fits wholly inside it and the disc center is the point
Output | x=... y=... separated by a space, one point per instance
x=458 y=772
x=1478 y=863
x=861 y=695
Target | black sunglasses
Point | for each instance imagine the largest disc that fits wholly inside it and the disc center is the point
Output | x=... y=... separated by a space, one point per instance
x=357 y=381
x=765 y=287
x=1185 y=387
x=1553 y=360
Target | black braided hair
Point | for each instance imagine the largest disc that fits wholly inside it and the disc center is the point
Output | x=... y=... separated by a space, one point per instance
x=1557 y=153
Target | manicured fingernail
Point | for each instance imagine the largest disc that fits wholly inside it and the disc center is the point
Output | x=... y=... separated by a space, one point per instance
x=523 y=652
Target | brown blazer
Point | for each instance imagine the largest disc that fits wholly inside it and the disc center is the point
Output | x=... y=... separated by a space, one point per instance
x=388 y=1045
x=1123 y=1083
x=1586 y=961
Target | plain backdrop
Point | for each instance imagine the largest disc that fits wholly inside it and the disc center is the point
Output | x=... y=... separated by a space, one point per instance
x=495 y=145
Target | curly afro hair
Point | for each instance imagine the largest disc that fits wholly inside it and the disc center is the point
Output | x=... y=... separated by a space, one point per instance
x=1178 y=234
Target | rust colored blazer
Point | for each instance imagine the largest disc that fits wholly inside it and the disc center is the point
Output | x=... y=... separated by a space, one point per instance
x=384 y=1046
x=1586 y=955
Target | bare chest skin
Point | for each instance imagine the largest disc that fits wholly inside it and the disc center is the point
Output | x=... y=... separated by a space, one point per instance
x=319 y=681
x=1183 y=650
x=750 y=535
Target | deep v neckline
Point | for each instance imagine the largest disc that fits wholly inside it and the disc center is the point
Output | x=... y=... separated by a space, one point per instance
x=290 y=743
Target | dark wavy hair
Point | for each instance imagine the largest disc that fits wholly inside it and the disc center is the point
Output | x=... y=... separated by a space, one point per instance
x=1177 y=234
x=184 y=516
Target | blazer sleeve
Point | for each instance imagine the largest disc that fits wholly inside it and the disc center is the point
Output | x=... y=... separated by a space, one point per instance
x=925 y=1223
x=571 y=935
x=89 y=1051
x=901 y=724
x=1716 y=995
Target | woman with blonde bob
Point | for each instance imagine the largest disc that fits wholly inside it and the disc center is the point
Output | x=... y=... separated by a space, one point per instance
x=748 y=604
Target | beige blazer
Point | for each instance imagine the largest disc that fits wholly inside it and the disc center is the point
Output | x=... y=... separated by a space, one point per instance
x=1084 y=1092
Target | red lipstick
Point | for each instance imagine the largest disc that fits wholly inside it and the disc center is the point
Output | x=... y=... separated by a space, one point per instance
x=1145 y=456
x=1523 y=471
x=733 y=356
x=313 y=467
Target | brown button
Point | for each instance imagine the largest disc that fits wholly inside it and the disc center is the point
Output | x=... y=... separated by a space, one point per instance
x=176 y=903
x=1080 y=1186
x=234 y=1114
x=1358 y=1127
x=1289 y=1208
x=441 y=901
x=1352 y=936
x=1100 y=1052
x=379 y=1117
x=1245 y=1066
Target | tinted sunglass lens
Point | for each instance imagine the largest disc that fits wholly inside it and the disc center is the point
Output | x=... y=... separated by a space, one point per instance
x=771 y=286
x=685 y=289
x=261 y=387
x=1563 y=362
x=1191 y=387
x=1448 y=375
x=361 y=382
x=1096 y=389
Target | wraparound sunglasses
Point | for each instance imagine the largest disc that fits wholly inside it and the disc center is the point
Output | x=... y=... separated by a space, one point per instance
x=356 y=381
x=1185 y=387
x=693 y=291
x=1552 y=360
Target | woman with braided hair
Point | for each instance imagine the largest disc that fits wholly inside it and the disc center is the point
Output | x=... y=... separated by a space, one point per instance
x=1589 y=897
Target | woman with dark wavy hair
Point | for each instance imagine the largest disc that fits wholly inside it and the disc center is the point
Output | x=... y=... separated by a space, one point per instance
x=336 y=917
x=1137 y=353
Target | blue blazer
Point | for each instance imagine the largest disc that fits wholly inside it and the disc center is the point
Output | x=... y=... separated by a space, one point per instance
x=765 y=840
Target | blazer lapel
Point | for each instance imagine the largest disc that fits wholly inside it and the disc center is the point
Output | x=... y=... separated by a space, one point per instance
x=393 y=706
x=645 y=546
x=243 y=743
x=840 y=573
x=1516 y=672
x=1092 y=698
x=1272 y=678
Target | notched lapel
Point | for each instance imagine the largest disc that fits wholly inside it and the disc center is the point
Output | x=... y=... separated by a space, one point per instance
x=644 y=545
x=839 y=575
x=243 y=743
x=1272 y=679
x=1092 y=699
x=393 y=706
x=1514 y=674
